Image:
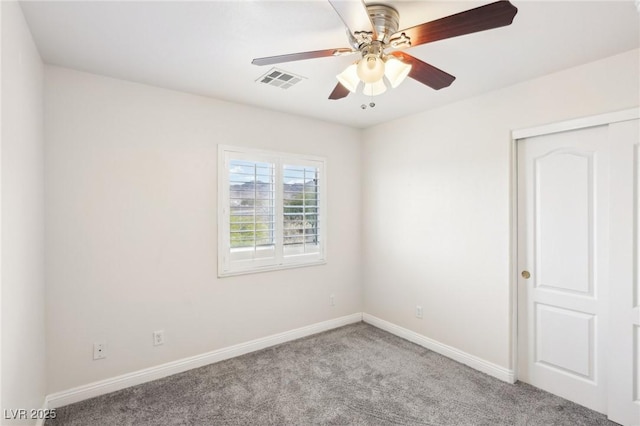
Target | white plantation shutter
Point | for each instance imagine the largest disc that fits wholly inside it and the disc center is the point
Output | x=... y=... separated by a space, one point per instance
x=300 y=210
x=272 y=210
x=251 y=210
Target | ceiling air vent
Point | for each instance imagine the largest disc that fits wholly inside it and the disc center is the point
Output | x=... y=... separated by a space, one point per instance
x=279 y=78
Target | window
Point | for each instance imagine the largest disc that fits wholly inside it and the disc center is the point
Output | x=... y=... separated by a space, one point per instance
x=271 y=210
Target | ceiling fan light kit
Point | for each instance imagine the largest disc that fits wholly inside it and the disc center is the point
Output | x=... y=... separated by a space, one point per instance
x=349 y=77
x=396 y=71
x=374 y=89
x=373 y=30
x=370 y=68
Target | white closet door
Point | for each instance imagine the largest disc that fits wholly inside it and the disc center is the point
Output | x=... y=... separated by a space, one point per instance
x=563 y=225
x=624 y=347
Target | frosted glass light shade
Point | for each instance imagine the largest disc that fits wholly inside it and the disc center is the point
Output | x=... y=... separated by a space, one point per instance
x=370 y=68
x=374 y=89
x=396 y=71
x=349 y=78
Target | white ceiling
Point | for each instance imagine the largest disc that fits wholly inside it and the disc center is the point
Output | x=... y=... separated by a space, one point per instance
x=207 y=47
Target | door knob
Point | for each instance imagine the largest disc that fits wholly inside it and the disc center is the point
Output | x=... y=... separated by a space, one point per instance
x=525 y=274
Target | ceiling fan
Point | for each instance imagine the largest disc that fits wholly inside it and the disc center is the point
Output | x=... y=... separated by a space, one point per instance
x=372 y=31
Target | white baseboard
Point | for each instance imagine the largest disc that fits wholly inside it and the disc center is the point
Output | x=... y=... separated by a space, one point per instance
x=472 y=361
x=102 y=387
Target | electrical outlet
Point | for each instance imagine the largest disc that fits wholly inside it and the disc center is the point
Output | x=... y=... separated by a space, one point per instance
x=158 y=338
x=332 y=299
x=99 y=350
x=419 y=311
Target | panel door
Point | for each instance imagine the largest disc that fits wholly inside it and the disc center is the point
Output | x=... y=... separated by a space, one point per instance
x=563 y=214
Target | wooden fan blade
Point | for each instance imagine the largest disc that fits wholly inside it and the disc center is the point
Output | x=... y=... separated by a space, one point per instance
x=354 y=14
x=494 y=15
x=425 y=73
x=269 y=60
x=339 y=92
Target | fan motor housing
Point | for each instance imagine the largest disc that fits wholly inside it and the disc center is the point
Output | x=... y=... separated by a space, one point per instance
x=385 y=20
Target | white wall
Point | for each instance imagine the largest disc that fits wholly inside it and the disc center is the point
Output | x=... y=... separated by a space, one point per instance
x=131 y=220
x=436 y=203
x=22 y=224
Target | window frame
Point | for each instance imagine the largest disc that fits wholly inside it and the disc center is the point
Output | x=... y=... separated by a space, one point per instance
x=228 y=267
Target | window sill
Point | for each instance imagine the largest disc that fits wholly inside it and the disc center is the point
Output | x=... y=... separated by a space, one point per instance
x=270 y=268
